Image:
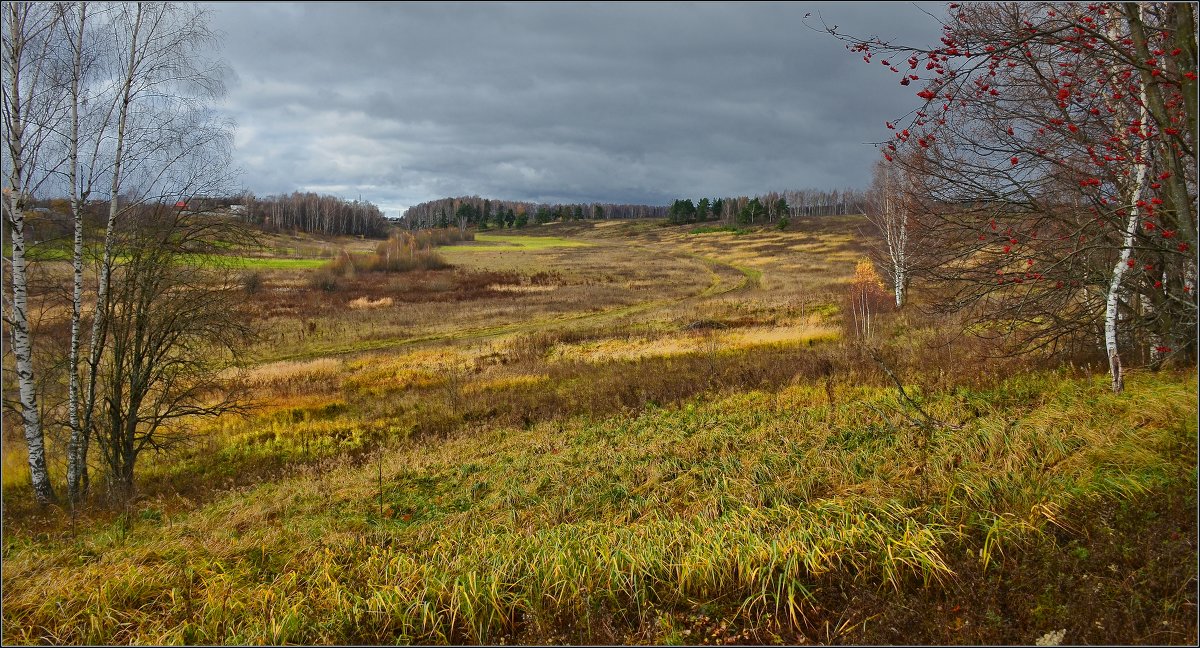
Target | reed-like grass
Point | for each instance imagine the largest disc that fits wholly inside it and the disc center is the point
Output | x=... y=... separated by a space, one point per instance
x=752 y=503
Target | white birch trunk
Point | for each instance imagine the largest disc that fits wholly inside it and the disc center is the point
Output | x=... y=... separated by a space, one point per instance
x=22 y=151
x=897 y=239
x=1113 y=297
x=22 y=347
x=77 y=446
x=891 y=217
x=1149 y=310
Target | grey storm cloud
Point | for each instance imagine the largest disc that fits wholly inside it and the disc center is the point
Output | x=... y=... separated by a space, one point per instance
x=638 y=103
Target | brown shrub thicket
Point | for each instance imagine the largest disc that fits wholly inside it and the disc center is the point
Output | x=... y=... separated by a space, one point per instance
x=402 y=252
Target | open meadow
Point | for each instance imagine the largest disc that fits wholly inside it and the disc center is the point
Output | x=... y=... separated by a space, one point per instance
x=627 y=432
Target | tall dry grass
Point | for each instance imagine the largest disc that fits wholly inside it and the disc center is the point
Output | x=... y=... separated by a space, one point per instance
x=754 y=506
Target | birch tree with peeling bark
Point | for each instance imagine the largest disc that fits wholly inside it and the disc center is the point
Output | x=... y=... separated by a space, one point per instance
x=889 y=209
x=1133 y=198
x=33 y=111
x=112 y=100
x=92 y=105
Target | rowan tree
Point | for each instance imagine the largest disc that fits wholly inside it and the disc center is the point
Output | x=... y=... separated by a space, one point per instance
x=1059 y=152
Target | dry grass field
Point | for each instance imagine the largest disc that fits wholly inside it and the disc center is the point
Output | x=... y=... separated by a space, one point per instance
x=624 y=432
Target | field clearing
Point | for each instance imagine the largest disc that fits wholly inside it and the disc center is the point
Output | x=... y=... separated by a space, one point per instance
x=483 y=241
x=258 y=263
x=641 y=436
x=255 y=263
x=742 y=498
x=558 y=285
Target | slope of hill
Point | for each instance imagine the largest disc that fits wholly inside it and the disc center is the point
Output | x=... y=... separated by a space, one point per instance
x=620 y=432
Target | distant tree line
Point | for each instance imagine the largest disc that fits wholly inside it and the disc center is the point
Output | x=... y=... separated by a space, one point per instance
x=307 y=212
x=772 y=207
x=485 y=213
x=316 y=214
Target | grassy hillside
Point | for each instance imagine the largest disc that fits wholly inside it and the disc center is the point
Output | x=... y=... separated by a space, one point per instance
x=625 y=433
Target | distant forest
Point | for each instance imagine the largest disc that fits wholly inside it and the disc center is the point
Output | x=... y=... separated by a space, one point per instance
x=317 y=214
x=296 y=212
x=485 y=213
x=772 y=207
x=333 y=216
x=473 y=211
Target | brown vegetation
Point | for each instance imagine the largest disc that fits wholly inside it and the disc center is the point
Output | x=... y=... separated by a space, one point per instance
x=716 y=412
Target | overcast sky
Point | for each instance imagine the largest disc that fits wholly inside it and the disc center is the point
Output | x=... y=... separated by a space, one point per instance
x=626 y=103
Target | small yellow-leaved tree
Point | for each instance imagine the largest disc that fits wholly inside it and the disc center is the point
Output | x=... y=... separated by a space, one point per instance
x=866 y=299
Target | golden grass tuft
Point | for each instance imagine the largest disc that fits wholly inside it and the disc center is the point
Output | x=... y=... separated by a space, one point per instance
x=362 y=303
x=282 y=375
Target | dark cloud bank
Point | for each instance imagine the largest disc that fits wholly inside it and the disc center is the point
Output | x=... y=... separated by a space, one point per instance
x=628 y=103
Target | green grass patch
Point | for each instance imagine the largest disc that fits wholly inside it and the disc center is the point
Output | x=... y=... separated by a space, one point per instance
x=48 y=254
x=49 y=251
x=62 y=253
x=491 y=241
x=713 y=229
x=256 y=263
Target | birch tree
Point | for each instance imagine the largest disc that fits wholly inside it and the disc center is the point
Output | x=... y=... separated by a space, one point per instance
x=92 y=106
x=33 y=110
x=159 y=125
x=112 y=100
x=1133 y=198
x=889 y=210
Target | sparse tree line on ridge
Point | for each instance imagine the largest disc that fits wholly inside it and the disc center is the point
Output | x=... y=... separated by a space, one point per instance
x=309 y=212
x=316 y=214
